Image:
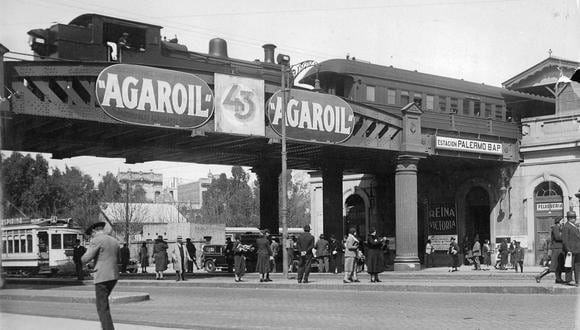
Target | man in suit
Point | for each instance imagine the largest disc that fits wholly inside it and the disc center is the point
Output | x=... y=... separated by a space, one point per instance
x=78 y=251
x=104 y=251
x=180 y=257
x=571 y=240
x=304 y=245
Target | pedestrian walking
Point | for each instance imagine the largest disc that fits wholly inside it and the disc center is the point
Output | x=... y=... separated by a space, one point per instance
x=476 y=252
x=571 y=241
x=144 y=257
x=486 y=254
x=160 y=256
x=322 y=248
x=336 y=253
x=503 y=252
x=428 y=254
x=519 y=257
x=304 y=246
x=78 y=251
x=350 y=254
x=512 y=254
x=192 y=254
x=264 y=252
x=180 y=256
x=375 y=259
x=556 y=255
x=240 y=251
x=229 y=253
x=453 y=252
x=125 y=256
x=104 y=251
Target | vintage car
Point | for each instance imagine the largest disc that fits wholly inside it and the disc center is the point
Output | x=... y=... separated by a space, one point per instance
x=214 y=258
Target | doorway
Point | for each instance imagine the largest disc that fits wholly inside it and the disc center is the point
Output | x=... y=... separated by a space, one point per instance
x=477 y=213
x=355 y=215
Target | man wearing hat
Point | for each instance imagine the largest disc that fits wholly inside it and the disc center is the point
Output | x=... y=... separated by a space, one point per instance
x=304 y=245
x=180 y=258
x=571 y=241
x=104 y=250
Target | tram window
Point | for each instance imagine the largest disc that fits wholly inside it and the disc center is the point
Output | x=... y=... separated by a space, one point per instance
x=42 y=241
x=16 y=245
x=56 y=241
x=29 y=243
x=69 y=240
x=477 y=109
x=3 y=245
x=404 y=97
x=466 y=104
x=10 y=244
x=443 y=103
x=22 y=244
x=391 y=96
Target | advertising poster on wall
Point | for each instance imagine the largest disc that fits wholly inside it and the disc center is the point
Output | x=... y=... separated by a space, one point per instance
x=239 y=105
x=442 y=225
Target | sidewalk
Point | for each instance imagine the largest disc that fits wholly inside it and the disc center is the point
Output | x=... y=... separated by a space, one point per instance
x=30 y=322
x=437 y=279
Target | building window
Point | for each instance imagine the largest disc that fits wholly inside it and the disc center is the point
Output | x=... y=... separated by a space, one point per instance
x=548 y=188
x=404 y=98
x=391 y=96
x=454 y=105
x=371 y=93
x=429 y=105
x=418 y=100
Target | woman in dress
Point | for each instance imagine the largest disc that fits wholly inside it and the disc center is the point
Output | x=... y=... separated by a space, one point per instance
x=144 y=257
x=375 y=259
x=239 y=258
x=160 y=257
x=264 y=252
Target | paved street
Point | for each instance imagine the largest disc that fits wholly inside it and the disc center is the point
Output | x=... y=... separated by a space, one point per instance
x=264 y=308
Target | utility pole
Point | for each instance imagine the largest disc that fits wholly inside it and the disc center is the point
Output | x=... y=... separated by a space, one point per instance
x=127 y=214
x=284 y=61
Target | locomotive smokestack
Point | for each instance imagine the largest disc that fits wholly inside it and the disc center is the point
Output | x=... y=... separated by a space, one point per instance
x=269 y=53
x=218 y=47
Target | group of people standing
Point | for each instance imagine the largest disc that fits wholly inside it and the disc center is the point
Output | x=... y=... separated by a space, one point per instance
x=510 y=255
x=478 y=255
x=183 y=257
x=565 y=251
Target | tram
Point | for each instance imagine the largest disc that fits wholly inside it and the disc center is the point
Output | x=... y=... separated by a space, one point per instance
x=38 y=246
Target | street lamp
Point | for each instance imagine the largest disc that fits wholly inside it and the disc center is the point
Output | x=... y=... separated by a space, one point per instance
x=284 y=61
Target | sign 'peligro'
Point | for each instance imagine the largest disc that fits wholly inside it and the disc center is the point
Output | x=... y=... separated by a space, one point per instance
x=154 y=97
x=312 y=116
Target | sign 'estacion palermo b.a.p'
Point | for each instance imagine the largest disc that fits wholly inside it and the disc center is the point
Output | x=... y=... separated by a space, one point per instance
x=154 y=97
x=312 y=116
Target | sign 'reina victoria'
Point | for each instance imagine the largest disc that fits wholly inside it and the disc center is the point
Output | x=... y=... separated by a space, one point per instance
x=154 y=97
x=312 y=116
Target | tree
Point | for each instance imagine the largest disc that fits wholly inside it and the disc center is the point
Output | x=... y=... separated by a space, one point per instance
x=110 y=189
x=298 y=201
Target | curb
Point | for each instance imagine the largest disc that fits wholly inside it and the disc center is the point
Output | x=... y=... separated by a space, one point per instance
x=65 y=296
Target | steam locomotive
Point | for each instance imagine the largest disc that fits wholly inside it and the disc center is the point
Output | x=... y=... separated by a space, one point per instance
x=98 y=38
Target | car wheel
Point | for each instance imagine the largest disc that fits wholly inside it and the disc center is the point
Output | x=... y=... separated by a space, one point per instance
x=210 y=266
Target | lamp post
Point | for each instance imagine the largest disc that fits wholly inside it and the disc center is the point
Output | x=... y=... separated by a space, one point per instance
x=284 y=61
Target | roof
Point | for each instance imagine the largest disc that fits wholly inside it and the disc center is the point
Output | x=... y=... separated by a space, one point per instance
x=357 y=68
x=143 y=213
x=567 y=65
x=83 y=19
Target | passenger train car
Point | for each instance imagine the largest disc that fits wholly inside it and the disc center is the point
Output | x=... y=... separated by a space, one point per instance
x=37 y=246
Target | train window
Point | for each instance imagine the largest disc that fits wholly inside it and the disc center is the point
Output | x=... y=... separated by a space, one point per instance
x=488 y=113
x=55 y=241
x=371 y=93
x=454 y=105
x=29 y=243
x=466 y=106
x=429 y=104
x=418 y=100
x=22 y=244
x=443 y=103
x=477 y=109
x=69 y=240
x=404 y=98
x=391 y=96
x=499 y=113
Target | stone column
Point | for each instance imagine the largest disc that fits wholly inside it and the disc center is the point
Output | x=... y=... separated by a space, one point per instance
x=332 y=208
x=268 y=178
x=406 y=213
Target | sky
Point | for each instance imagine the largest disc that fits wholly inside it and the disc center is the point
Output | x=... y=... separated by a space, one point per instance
x=483 y=41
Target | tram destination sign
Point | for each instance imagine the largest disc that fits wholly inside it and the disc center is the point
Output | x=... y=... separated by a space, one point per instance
x=476 y=146
x=149 y=96
x=312 y=116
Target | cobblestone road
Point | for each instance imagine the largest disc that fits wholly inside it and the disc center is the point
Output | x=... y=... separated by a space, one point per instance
x=264 y=308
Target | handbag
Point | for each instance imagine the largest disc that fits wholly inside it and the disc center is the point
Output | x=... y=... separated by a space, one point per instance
x=568 y=260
